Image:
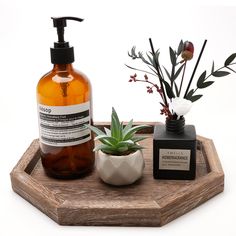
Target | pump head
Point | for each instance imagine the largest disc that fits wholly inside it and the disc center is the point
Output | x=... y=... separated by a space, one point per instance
x=62 y=53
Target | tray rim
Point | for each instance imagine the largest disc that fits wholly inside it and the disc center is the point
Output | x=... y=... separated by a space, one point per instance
x=53 y=204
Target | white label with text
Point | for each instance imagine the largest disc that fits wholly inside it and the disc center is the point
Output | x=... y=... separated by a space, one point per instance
x=64 y=125
x=174 y=159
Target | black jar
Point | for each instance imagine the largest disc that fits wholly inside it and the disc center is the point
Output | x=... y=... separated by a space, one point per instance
x=174 y=150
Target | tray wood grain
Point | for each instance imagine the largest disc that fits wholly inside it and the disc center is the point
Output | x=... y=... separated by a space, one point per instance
x=89 y=201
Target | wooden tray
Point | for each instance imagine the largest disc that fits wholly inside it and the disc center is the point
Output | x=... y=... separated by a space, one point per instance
x=88 y=201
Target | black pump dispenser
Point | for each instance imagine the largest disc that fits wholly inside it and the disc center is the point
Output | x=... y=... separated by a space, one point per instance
x=62 y=53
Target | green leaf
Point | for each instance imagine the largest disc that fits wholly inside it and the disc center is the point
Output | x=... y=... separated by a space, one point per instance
x=95 y=130
x=168 y=74
x=150 y=59
x=180 y=47
x=230 y=59
x=108 y=131
x=178 y=72
x=176 y=89
x=195 y=98
x=213 y=67
x=143 y=59
x=127 y=142
x=122 y=149
x=111 y=140
x=127 y=127
x=116 y=129
x=133 y=130
x=132 y=68
x=169 y=91
x=206 y=84
x=139 y=138
x=230 y=69
x=136 y=147
x=201 y=79
x=190 y=94
x=105 y=148
x=220 y=73
x=172 y=56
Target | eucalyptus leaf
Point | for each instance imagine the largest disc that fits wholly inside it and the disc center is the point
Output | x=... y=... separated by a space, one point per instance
x=150 y=59
x=167 y=73
x=169 y=91
x=176 y=89
x=178 y=72
x=190 y=94
x=220 y=73
x=172 y=56
x=230 y=69
x=201 y=79
x=213 y=67
x=230 y=59
x=180 y=47
x=206 y=84
x=195 y=98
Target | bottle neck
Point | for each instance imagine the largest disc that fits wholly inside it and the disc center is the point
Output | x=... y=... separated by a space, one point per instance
x=175 y=126
x=63 y=67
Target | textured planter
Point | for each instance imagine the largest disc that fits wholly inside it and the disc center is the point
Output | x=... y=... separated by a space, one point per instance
x=120 y=170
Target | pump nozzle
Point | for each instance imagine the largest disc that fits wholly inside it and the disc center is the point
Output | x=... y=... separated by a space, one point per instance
x=62 y=53
x=60 y=23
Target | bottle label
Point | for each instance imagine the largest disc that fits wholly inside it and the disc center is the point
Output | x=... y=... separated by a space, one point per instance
x=64 y=125
x=174 y=159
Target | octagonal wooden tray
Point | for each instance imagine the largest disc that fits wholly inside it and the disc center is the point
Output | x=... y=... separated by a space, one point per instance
x=88 y=201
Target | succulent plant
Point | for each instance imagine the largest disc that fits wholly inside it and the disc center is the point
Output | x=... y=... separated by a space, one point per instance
x=120 y=139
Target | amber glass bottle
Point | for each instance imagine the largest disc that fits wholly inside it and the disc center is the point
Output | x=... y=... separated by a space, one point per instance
x=64 y=107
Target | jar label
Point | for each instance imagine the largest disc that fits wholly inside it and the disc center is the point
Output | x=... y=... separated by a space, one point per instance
x=174 y=159
x=64 y=125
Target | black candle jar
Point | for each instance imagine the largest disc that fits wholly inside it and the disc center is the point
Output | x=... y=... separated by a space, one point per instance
x=174 y=150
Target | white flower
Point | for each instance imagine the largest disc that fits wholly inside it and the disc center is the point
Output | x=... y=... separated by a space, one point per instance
x=180 y=106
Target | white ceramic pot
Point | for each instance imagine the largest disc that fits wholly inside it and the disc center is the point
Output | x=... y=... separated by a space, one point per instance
x=120 y=170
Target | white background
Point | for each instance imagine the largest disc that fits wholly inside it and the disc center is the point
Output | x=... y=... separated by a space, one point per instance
x=101 y=43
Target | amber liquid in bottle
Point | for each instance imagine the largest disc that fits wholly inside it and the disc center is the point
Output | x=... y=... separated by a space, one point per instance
x=64 y=86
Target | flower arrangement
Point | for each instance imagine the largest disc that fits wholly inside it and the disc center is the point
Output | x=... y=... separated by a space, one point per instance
x=175 y=104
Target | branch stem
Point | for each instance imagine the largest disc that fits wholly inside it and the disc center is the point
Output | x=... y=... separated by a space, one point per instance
x=195 y=68
x=157 y=67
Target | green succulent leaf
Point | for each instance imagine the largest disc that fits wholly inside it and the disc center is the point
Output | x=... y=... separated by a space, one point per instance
x=108 y=131
x=129 y=134
x=111 y=140
x=220 y=73
x=120 y=140
x=95 y=130
x=136 y=147
x=172 y=56
x=116 y=129
x=105 y=148
x=138 y=138
x=169 y=91
x=127 y=127
x=230 y=59
x=127 y=142
x=122 y=149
